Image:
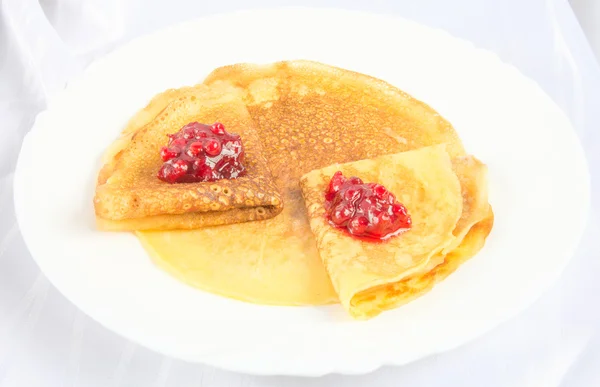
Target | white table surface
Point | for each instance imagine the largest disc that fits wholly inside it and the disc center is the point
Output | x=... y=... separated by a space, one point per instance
x=46 y=341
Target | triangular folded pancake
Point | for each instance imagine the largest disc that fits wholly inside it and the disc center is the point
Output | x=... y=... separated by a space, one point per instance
x=422 y=180
x=470 y=233
x=445 y=199
x=129 y=196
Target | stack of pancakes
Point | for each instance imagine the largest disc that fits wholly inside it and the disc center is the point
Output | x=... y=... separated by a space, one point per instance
x=269 y=242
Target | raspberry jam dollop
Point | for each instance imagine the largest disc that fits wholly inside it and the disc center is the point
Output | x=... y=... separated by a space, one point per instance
x=200 y=152
x=365 y=210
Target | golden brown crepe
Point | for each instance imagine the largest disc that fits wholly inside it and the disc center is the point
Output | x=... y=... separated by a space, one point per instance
x=422 y=180
x=308 y=115
x=129 y=196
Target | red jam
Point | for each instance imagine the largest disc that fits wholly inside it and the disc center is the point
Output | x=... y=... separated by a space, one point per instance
x=365 y=210
x=200 y=152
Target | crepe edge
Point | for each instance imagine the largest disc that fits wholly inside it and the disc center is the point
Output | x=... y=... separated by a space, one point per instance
x=478 y=234
x=190 y=220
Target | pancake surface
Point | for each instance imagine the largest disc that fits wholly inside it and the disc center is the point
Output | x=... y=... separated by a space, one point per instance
x=308 y=116
x=445 y=200
x=129 y=196
x=422 y=180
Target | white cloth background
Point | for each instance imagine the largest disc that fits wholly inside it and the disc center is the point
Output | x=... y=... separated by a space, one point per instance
x=46 y=341
x=588 y=13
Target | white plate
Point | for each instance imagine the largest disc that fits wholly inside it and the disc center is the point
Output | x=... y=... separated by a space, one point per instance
x=538 y=180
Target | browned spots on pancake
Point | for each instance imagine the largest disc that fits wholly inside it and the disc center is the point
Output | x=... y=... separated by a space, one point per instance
x=320 y=115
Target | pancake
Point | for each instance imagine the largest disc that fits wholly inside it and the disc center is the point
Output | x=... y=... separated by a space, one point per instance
x=308 y=116
x=372 y=277
x=129 y=196
x=422 y=180
x=245 y=267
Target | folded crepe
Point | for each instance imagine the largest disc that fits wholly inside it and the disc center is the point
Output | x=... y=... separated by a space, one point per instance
x=129 y=196
x=445 y=199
